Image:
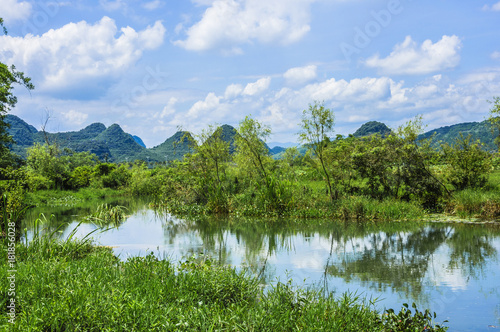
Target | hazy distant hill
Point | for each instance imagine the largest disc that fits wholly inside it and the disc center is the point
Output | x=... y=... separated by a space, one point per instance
x=138 y=140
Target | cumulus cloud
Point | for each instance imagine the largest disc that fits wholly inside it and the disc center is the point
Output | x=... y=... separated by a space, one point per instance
x=79 y=53
x=233 y=90
x=413 y=59
x=13 y=10
x=258 y=87
x=210 y=103
x=300 y=75
x=356 y=90
x=229 y=23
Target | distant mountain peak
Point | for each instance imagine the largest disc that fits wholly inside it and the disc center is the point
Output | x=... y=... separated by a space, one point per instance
x=371 y=128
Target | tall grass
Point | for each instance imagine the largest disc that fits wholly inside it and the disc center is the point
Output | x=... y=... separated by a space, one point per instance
x=106 y=214
x=475 y=203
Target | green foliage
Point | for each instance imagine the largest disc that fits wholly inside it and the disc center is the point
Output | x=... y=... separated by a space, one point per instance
x=483 y=131
x=317 y=123
x=45 y=160
x=208 y=166
x=81 y=177
x=105 y=214
x=254 y=163
x=404 y=321
x=8 y=78
x=494 y=118
x=119 y=177
x=468 y=164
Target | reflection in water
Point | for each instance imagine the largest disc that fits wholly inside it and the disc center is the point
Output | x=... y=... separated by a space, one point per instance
x=453 y=269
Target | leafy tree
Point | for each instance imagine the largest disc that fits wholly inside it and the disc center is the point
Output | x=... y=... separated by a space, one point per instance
x=414 y=177
x=494 y=117
x=469 y=164
x=317 y=123
x=46 y=161
x=208 y=165
x=8 y=77
x=252 y=157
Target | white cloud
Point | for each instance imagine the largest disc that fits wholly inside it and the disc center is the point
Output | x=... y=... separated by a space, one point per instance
x=233 y=90
x=169 y=109
x=13 y=10
x=75 y=117
x=495 y=7
x=495 y=55
x=411 y=59
x=152 y=5
x=300 y=75
x=354 y=91
x=201 y=107
x=228 y=23
x=79 y=53
x=258 y=87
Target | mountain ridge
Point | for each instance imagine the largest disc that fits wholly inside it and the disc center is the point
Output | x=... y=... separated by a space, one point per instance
x=115 y=145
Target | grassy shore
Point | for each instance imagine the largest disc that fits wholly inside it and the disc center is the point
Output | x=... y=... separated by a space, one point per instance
x=76 y=286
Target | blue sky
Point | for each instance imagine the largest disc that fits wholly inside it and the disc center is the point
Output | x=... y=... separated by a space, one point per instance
x=156 y=66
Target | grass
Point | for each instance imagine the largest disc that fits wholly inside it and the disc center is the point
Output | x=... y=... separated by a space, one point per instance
x=72 y=285
x=475 y=203
x=105 y=214
x=69 y=198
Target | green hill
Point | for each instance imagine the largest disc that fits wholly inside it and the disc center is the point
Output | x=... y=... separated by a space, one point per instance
x=481 y=131
x=111 y=144
x=115 y=145
x=228 y=135
x=372 y=127
x=174 y=147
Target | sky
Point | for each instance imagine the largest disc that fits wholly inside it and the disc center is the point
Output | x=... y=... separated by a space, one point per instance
x=154 y=67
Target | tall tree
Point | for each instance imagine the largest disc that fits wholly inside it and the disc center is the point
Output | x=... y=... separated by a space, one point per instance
x=317 y=123
x=8 y=77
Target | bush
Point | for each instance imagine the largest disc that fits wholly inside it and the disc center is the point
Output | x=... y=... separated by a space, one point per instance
x=469 y=165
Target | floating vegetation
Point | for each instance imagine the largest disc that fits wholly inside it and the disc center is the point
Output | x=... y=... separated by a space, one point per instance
x=107 y=214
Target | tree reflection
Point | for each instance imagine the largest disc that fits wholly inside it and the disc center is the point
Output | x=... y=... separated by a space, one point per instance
x=399 y=261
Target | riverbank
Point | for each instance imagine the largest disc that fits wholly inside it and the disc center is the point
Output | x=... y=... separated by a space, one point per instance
x=78 y=286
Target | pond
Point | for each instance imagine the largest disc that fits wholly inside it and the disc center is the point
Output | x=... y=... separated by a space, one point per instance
x=452 y=269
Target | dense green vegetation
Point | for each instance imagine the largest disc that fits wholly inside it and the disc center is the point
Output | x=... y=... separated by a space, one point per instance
x=398 y=176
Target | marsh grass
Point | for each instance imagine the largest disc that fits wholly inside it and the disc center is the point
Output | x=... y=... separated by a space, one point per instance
x=105 y=214
x=471 y=203
x=68 y=197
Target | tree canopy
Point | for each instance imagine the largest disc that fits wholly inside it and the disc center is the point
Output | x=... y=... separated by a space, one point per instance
x=9 y=76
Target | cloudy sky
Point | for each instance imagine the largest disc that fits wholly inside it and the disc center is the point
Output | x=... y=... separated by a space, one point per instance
x=155 y=66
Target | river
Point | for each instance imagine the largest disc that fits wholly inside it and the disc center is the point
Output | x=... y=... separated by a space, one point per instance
x=452 y=269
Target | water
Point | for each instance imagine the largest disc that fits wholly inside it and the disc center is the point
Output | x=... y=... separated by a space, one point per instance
x=453 y=270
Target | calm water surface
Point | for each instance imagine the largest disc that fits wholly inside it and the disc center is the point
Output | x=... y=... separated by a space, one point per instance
x=452 y=269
